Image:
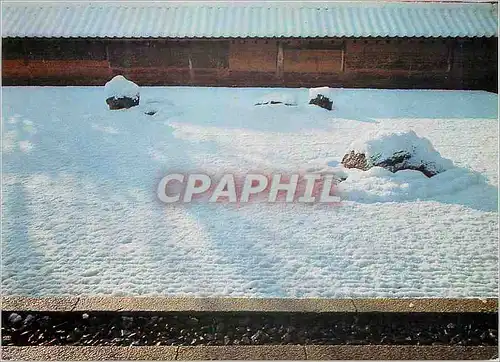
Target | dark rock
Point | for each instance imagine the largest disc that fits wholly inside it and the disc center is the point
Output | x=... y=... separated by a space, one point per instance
x=276 y=98
x=393 y=164
x=184 y=330
x=287 y=337
x=260 y=337
x=122 y=102
x=29 y=320
x=15 y=319
x=274 y=102
x=355 y=160
x=220 y=327
x=322 y=101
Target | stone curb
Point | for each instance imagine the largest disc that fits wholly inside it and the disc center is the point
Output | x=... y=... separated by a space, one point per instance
x=400 y=352
x=173 y=304
x=288 y=352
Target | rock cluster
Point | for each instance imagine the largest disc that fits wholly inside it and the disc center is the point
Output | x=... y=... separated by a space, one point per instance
x=186 y=329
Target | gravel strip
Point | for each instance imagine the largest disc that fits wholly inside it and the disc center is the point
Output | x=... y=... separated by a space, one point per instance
x=190 y=329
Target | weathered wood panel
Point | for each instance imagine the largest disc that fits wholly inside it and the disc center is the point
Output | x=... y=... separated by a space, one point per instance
x=397 y=54
x=144 y=54
x=364 y=79
x=312 y=61
x=60 y=69
x=155 y=75
x=313 y=56
x=371 y=62
x=168 y=54
x=16 y=68
x=257 y=55
x=53 y=49
x=473 y=63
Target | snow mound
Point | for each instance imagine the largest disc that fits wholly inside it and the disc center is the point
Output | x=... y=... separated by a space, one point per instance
x=324 y=91
x=381 y=185
x=396 y=151
x=277 y=98
x=121 y=87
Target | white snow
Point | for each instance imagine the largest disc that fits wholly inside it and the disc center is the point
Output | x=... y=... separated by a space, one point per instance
x=120 y=87
x=380 y=185
x=382 y=145
x=81 y=216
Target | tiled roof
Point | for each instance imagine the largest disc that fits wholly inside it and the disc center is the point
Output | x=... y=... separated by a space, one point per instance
x=229 y=20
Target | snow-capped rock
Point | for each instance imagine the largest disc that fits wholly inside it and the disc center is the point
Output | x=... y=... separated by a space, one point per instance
x=121 y=93
x=322 y=97
x=396 y=151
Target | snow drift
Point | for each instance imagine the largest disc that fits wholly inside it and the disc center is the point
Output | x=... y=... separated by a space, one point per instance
x=380 y=185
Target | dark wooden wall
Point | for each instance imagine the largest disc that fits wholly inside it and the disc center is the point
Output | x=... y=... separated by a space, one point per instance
x=442 y=63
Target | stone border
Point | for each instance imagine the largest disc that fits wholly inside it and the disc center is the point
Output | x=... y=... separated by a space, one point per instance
x=278 y=352
x=314 y=305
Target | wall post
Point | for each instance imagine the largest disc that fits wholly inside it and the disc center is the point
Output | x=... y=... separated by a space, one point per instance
x=191 y=70
x=342 y=59
x=279 y=61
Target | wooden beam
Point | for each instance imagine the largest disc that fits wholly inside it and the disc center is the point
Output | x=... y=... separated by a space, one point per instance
x=279 y=61
x=107 y=55
x=342 y=60
x=451 y=48
x=25 y=51
x=191 y=70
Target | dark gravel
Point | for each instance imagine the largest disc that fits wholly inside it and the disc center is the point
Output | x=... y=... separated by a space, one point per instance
x=187 y=329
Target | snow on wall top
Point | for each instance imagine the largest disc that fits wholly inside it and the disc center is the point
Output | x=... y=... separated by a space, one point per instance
x=248 y=19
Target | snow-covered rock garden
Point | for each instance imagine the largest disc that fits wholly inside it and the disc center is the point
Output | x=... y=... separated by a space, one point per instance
x=81 y=216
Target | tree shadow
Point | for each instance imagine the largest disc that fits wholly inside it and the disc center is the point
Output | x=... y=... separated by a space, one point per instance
x=22 y=261
x=234 y=239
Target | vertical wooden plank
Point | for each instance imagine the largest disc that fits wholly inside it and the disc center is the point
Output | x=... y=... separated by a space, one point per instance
x=342 y=59
x=451 y=48
x=279 y=61
x=191 y=70
x=107 y=55
x=25 y=51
